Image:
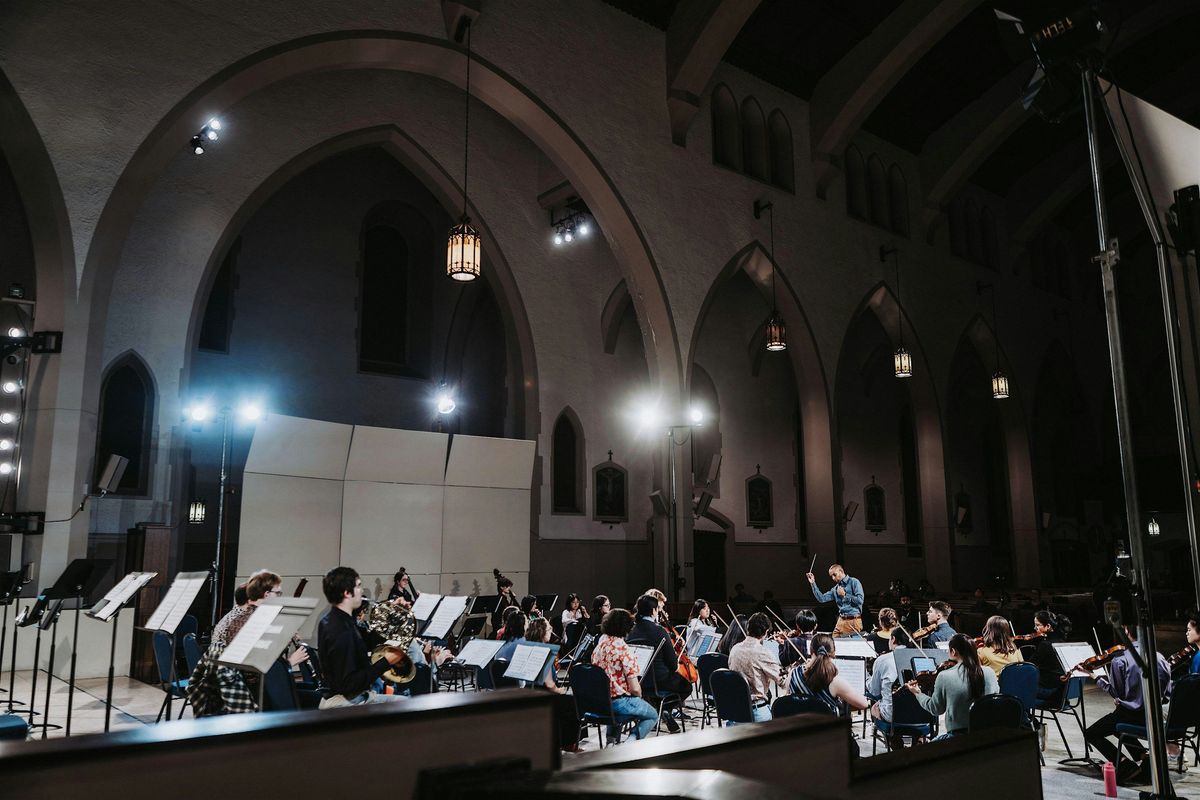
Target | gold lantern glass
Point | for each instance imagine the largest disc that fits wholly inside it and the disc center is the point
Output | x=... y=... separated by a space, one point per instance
x=903 y=362
x=196 y=512
x=462 y=252
x=999 y=385
x=776 y=334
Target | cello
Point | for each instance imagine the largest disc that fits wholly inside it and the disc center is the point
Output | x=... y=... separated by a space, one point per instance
x=686 y=669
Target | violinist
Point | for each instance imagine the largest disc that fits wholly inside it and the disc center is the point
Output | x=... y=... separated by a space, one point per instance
x=758 y=665
x=1124 y=684
x=818 y=676
x=664 y=678
x=601 y=605
x=884 y=674
x=938 y=616
x=1052 y=628
x=734 y=634
x=529 y=606
x=699 y=618
x=1192 y=632
x=795 y=646
x=998 y=649
x=957 y=687
x=907 y=614
x=403 y=590
x=881 y=637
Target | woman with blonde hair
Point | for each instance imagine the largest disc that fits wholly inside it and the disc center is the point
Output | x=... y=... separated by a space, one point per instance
x=998 y=649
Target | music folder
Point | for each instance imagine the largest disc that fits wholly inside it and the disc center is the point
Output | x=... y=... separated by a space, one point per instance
x=176 y=602
x=424 y=606
x=479 y=652
x=119 y=595
x=267 y=632
x=444 y=616
x=529 y=660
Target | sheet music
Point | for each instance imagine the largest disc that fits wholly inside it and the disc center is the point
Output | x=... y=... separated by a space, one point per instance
x=257 y=626
x=1071 y=653
x=448 y=612
x=479 y=652
x=644 y=655
x=178 y=600
x=426 y=603
x=854 y=648
x=854 y=671
x=527 y=662
x=943 y=646
x=126 y=588
x=701 y=643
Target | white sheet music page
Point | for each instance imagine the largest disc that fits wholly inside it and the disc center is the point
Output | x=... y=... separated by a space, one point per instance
x=257 y=626
x=191 y=588
x=527 y=662
x=1072 y=653
x=423 y=608
x=857 y=648
x=448 y=612
x=480 y=652
x=126 y=588
x=853 y=670
x=643 y=654
x=177 y=601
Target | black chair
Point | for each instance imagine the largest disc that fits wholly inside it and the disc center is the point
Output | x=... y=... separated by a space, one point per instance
x=706 y=665
x=996 y=711
x=666 y=702
x=908 y=719
x=172 y=689
x=496 y=672
x=1183 y=719
x=593 y=702
x=1069 y=701
x=731 y=696
x=423 y=682
x=789 y=705
x=279 y=693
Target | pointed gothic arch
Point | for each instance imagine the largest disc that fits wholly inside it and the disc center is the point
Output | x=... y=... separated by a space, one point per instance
x=125 y=421
x=568 y=465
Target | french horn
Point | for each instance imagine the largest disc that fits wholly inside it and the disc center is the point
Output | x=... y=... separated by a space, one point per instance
x=397 y=627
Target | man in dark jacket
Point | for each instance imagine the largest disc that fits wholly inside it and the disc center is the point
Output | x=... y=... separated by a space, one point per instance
x=662 y=678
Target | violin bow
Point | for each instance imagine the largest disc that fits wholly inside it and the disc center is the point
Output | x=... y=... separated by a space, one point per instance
x=785 y=631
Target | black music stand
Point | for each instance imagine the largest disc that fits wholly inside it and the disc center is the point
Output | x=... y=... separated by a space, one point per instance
x=104 y=611
x=31 y=616
x=49 y=620
x=78 y=581
x=546 y=603
x=11 y=584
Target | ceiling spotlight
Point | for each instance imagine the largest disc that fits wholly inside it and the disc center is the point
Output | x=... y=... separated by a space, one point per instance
x=584 y=229
x=10 y=387
x=16 y=333
x=215 y=124
x=558 y=237
x=7 y=418
x=6 y=444
x=568 y=236
x=198 y=413
x=211 y=134
x=6 y=468
x=251 y=412
x=197 y=145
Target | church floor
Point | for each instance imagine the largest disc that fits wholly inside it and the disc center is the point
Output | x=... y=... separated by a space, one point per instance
x=137 y=704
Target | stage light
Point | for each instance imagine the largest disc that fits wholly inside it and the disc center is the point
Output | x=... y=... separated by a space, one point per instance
x=199 y=412
x=584 y=229
x=558 y=237
x=197 y=145
x=445 y=402
x=1153 y=528
x=6 y=468
x=6 y=444
x=568 y=236
x=11 y=387
x=250 y=412
x=7 y=418
x=215 y=124
x=696 y=415
x=647 y=416
x=16 y=333
x=211 y=134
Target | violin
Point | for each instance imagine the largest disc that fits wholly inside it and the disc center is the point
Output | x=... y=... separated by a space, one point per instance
x=686 y=668
x=921 y=633
x=1095 y=662
x=1183 y=655
x=926 y=678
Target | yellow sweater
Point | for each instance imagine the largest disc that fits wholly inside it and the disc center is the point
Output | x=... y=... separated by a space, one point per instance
x=998 y=661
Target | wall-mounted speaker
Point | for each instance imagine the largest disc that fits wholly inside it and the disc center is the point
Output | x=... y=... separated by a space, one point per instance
x=660 y=504
x=702 y=504
x=714 y=469
x=849 y=511
x=110 y=479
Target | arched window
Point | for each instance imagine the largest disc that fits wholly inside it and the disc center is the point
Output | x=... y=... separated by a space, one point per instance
x=783 y=173
x=727 y=147
x=754 y=141
x=898 y=200
x=991 y=240
x=383 y=302
x=567 y=465
x=856 y=183
x=126 y=417
x=974 y=232
x=877 y=191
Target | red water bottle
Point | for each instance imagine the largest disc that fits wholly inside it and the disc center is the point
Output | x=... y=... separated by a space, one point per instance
x=1110 y=779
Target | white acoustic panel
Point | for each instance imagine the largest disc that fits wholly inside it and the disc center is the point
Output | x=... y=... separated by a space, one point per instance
x=386 y=526
x=495 y=463
x=289 y=525
x=473 y=583
x=388 y=455
x=306 y=448
x=484 y=529
x=377 y=587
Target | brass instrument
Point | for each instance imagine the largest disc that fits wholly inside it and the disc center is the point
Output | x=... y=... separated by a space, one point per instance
x=393 y=623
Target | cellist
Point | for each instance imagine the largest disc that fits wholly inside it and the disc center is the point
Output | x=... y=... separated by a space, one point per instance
x=663 y=679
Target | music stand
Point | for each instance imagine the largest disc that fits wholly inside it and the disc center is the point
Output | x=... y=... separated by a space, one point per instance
x=170 y=612
x=48 y=620
x=30 y=616
x=11 y=584
x=484 y=604
x=546 y=603
x=108 y=609
x=77 y=581
x=266 y=634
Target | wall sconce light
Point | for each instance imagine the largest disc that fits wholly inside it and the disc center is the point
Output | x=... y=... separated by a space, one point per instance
x=196 y=512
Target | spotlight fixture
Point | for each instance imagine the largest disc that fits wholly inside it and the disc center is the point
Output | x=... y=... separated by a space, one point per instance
x=208 y=133
x=445 y=401
x=696 y=415
x=6 y=468
x=776 y=328
x=558 y=237
x=250 y=412
x=574 y=225
x=198 y=145
x=7 y=418
x=11 y=387
x=462 y=246
x=569 y=236
x=6 y=444
x=16 y=333
x=584 y=229
x=198 y=413
x=902 y=360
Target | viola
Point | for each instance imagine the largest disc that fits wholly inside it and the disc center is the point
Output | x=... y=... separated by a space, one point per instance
x=926 y=678
x=686 y=668
x=1096 y=661
x=921 y=633
x=1183 y=655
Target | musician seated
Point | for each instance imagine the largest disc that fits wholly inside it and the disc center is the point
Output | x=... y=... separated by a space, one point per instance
x=818 y=677
x=939 y=616
x=504 y=631
x=1193 y=638
x=956 y=687
x=402 y=589
x=574 y=611
x=1123 y=683
x=795 y=647
x=907 y=614
x=699 y=618
x=998 y=649
x=734 y=634
x=881 y=637
x=600 y=606
x=665 y=679
x=885 y=674
x=529 y=606
x=613 y=655
x=758 y=665
x=346 y=665
x=1052 y=628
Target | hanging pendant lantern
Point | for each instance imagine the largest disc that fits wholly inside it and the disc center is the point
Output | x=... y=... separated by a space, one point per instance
x=462 y=252
x=1153 y=528
x=776 y=333
x=196 y=512
x=462 y=246
x=999 y=385
x=903 y=363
